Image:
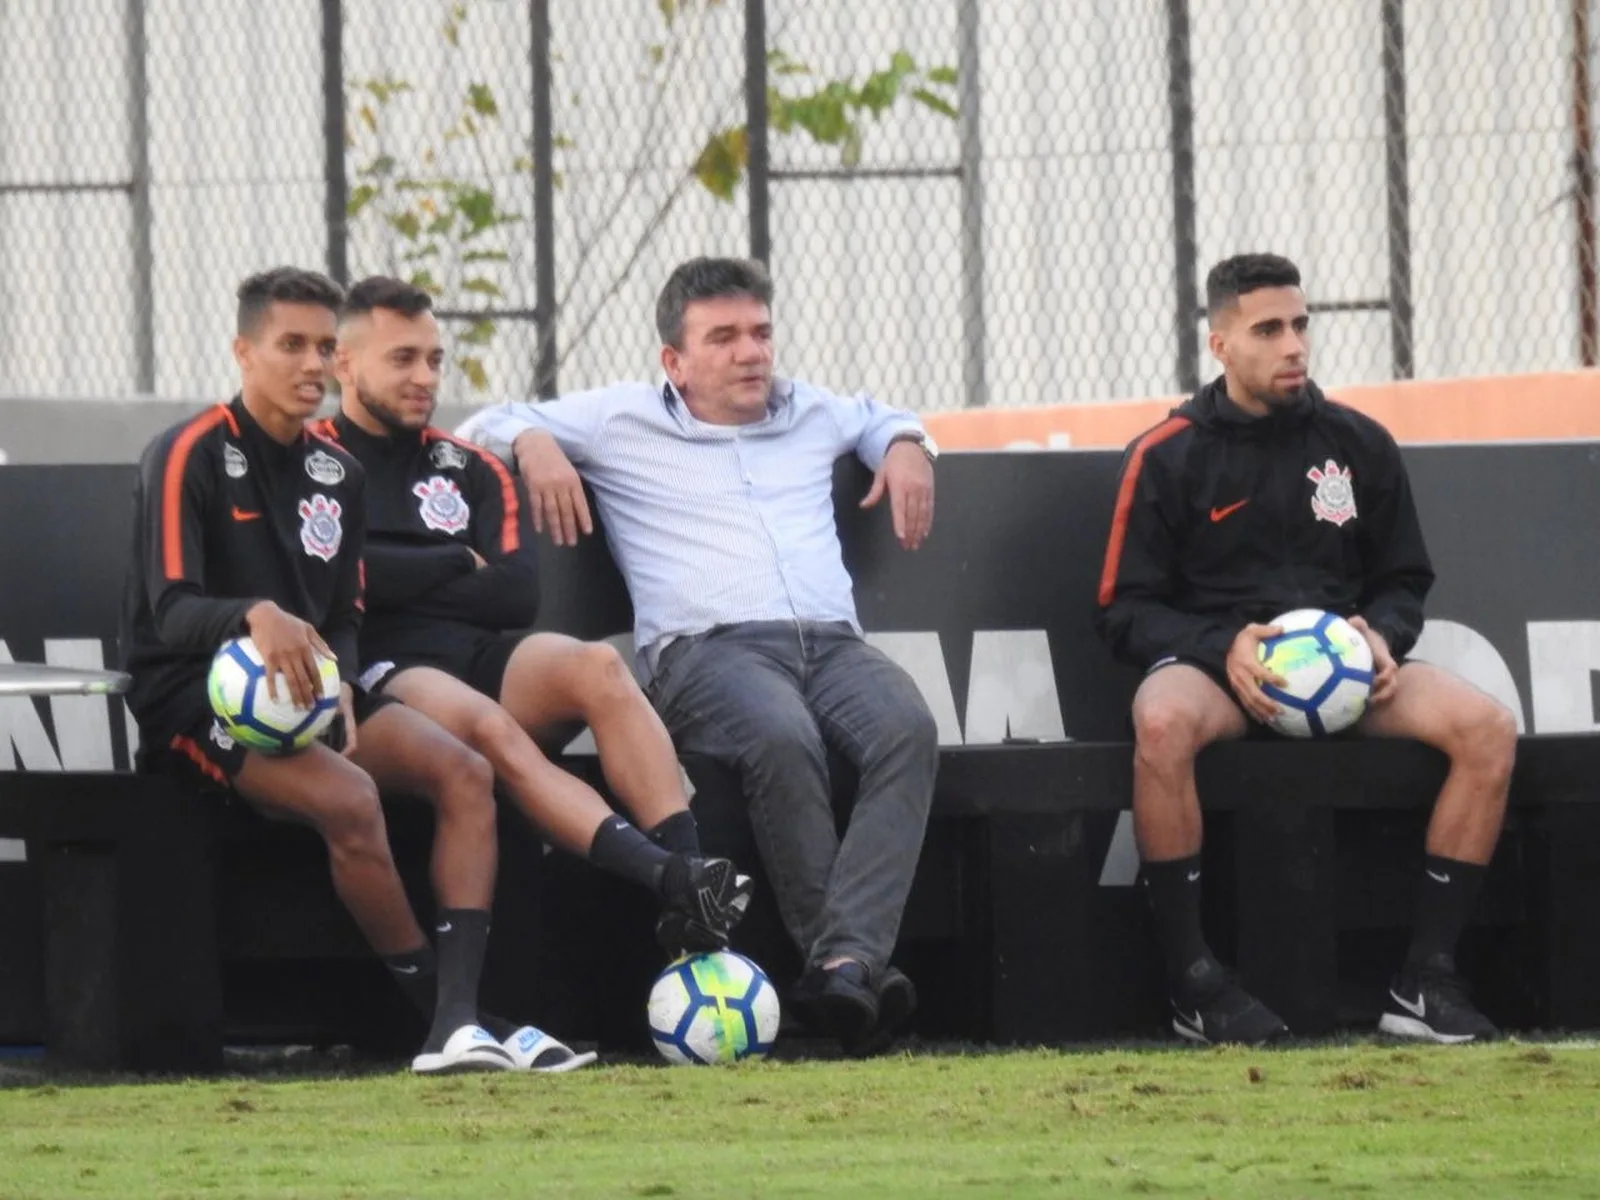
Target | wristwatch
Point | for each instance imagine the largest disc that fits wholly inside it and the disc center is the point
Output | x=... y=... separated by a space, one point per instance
x=923 y=439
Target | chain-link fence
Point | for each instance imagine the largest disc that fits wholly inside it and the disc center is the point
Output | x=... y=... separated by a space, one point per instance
x=963 y=203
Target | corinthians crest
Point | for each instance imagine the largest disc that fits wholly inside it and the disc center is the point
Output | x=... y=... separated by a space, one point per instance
x=320 y=530
x=1335 y=497
x=443 y=507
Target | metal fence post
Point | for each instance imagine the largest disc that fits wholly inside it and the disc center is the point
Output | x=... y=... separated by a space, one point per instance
x=973 y=332
x=143 y=273
x=1398 y=183
x=1180 y=106
x=336 y=185
x=755 y=104
x=544 y=202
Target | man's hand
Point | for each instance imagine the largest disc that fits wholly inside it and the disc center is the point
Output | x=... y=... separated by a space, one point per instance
x=907 y=475
x=1246 y=673
x=347 y=713
x=288 y=645
x=554 y=489
x=1385 y=672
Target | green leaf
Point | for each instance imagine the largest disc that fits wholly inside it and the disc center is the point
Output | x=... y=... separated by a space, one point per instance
x=384 y=164
x=360 y=197
x=368 y=118
x=722 y=162
x=656 y=53
x=901 y=63
x=472 y=368
x=850 y=151
x=425 y=251
x=424 y=279
x=406 y=224
x=485 y=256
x=441 y=223
x=948 y=75
x=669 y=10
x=482 y=287
x=477 y=206
x=481 y=98
x=479 y=333
x=938 y=103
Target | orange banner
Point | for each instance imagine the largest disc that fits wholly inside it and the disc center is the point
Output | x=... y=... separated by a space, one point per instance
x=1555 y=405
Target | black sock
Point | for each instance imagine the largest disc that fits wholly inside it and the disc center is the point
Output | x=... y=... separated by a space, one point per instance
x=1448 y=890
x=417 y=973
x=678 y=833
x=621 y=849
x=463 y=935
x=1173 y=888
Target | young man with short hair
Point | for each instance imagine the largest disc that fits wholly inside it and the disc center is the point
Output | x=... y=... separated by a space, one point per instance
x=452 y=588
x=247 y=523
x=1259 y=496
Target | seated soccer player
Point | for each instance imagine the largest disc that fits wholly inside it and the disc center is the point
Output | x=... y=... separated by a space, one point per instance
x=246 y=523
x=1258 y=496
x=452 y=587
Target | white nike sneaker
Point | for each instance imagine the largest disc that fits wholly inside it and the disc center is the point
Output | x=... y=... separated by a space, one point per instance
x=533 y=1049
x=470 y=1048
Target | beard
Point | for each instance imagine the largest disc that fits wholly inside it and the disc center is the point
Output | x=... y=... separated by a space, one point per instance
x=384 y=415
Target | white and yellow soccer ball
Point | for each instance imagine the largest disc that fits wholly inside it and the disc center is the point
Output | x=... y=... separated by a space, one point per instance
x=237 y=688
x=1327 y=669
x=713 y=1008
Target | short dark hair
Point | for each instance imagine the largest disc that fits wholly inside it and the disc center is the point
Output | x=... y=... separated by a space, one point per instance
x=707 y=279
x=385 y=291
x=1245 y=273
x=283 y=285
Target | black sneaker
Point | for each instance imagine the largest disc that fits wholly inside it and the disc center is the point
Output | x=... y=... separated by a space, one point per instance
x=1431 y=1004
x=1211 y=1008
x=705 y=898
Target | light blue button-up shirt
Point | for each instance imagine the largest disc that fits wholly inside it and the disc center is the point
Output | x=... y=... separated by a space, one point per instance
x=712 y=524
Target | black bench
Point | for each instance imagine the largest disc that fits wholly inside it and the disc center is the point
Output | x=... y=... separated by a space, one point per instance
x=173 y=922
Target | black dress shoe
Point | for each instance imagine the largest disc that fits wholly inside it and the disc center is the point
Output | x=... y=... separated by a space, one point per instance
x=839 y=1001
x=897 y=1000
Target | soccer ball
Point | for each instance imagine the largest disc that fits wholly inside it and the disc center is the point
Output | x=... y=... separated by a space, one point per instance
x=237 y=688
x=1327 y=669
x=713 y=1008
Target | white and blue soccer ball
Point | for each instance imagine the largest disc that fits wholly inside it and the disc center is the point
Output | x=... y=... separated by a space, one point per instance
x=237 y=688
x=713 y=1008
x=1327 y=669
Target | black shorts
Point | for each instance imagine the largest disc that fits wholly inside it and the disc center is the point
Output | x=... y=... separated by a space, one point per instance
x=480 y=664
x=202 y=749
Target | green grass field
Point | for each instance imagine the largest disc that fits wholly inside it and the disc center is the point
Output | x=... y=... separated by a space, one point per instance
x=1361 y=1119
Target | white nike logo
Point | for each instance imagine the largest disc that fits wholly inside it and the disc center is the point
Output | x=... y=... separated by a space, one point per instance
x=445 y=928
x=1194 y=1022
x=1432 y=874
x=1419 y=1010
x=1193 y=875
x=408 y=970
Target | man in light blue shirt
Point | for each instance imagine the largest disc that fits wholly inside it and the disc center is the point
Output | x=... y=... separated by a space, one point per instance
x=717 y=494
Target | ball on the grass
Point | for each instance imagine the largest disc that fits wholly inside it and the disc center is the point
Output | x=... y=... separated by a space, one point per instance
x=713 y=1008
x=237 y=688
x=1327 y=669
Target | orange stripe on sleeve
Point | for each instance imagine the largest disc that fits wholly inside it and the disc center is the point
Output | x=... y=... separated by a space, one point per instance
x=172 y=487
x=1130 y=484
x=510 y=539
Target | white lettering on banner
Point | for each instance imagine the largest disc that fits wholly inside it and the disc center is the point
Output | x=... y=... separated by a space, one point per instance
x=1562 y=657
x=23 y=741
x=83 y=723
x=1467 y=653
x=1012 y=690
x=13 y=850
x=921 y=656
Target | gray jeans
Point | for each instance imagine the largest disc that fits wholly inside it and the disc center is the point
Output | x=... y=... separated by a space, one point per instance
x=771 y=698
